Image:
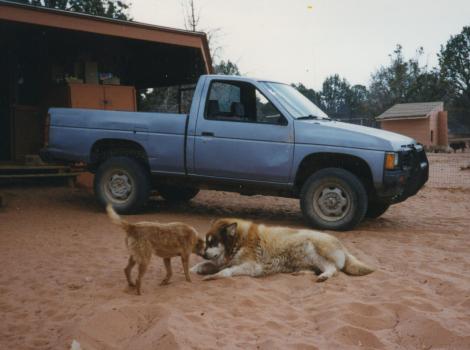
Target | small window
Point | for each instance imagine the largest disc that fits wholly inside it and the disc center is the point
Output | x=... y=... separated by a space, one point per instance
x=265 y=110
x=240 y=102
x=432 y=136
x=170 y=99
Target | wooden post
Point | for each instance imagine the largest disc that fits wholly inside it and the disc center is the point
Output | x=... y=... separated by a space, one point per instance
x=442 y=135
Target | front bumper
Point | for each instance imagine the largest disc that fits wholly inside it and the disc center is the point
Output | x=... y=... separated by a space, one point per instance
x=400 y=184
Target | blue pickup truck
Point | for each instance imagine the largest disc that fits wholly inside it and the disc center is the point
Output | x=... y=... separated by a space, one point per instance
x=243 y=135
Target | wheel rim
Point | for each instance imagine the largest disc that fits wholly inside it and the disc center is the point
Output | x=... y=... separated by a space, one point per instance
x=331 y=202
x=118 y=186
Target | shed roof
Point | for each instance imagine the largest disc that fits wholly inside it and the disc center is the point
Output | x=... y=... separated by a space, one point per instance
x=411 y=110
x=39 y=15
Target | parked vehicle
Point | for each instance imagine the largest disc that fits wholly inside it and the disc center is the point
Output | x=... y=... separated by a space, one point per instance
x=243 y=135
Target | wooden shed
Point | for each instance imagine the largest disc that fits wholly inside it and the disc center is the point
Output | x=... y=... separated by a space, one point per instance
x=425 y=122
x=53 y=58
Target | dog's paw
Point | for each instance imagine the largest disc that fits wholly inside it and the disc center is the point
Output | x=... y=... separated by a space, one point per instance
x=194 y=269
x=165 y=282
x=205 y=268
x=209 y=278
x=322 y=278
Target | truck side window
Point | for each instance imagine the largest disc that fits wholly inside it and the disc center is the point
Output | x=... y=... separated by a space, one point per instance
x=241 y=102
x=222 y=97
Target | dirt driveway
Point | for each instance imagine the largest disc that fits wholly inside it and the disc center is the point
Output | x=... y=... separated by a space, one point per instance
x=62 y=279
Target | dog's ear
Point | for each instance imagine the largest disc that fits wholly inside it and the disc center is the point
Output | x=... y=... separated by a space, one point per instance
x=231 y=229
x=228 y=236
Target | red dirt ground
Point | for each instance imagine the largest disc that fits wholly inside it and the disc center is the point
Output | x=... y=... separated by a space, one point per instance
x=62 y=279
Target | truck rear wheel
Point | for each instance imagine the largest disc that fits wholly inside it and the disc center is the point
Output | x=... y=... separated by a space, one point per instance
x=124 y=182
x=177 y=193
x=376 y=209
x=333 y=199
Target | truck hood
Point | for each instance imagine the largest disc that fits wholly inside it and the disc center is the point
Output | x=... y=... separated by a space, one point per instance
x=333 y=133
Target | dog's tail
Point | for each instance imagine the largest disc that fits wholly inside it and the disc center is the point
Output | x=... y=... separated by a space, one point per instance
x=115 y=218
x=355 y=267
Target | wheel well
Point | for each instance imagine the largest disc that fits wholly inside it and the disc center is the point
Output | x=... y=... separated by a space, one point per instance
x=317 y=161
x=106 y=148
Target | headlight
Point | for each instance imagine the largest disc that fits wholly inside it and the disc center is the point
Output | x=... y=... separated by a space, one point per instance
x=391 y=160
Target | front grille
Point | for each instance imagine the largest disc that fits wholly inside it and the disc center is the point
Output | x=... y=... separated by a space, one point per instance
x=408 y=159
x=411 y=159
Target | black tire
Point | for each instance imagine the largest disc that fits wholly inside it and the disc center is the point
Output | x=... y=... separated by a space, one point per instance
x=124 y=182
x=376 y=209
x=333 y=199
x=177 y=193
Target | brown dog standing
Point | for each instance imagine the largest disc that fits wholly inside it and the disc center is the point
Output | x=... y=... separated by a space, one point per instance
x=164 y=240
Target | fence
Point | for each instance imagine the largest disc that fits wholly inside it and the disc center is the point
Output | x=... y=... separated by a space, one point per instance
x=449 y=170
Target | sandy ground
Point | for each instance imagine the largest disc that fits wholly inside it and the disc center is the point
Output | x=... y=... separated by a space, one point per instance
x=62 y=279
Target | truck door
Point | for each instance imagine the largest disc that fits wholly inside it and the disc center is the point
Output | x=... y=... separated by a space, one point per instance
x=240 y=134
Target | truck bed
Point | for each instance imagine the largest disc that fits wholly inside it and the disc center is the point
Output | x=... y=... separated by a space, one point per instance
x=73 y=132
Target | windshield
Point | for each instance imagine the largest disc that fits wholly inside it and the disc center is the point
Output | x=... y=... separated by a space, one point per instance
x=297 y=104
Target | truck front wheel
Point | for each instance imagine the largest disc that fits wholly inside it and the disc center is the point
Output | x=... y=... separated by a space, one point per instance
x=177 y=193
x=333 y=199
x=124 y=182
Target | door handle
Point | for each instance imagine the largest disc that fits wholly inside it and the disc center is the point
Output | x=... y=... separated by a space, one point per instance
x=207 y=133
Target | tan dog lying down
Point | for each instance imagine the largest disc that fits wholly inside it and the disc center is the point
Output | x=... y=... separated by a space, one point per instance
x=164 y=240
x=238 y=247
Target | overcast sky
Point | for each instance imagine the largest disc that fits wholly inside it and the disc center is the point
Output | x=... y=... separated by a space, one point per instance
x=305 y=41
